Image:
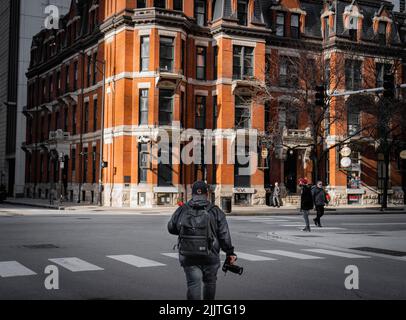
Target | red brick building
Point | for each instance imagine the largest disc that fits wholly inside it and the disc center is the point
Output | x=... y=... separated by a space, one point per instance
x=141 y=66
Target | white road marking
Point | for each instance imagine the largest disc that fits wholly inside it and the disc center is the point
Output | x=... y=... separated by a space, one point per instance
x=322 y=228
x=291 y=254
x=373 y=224
x=337 y=253
x=75 y=264
x=252 y=257
x=171 y=255
x=136 y=261
x=14 y=269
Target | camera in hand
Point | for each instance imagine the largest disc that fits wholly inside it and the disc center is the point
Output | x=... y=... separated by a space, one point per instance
x=232 y=267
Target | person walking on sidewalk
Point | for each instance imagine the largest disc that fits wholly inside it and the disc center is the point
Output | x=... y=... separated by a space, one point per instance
x=203 y=230
x=306 y=201
x=320 y=200
x=276 y=195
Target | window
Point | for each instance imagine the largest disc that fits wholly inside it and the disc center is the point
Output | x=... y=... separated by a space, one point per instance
x=382 y=33
x=215 y=64
x=326 y=28
x=65 y=119
x=200 y=116
x=58 y=82
x=242 y=12
x=95 y=68
x=201 y=63
x=353 y=120
x=86 y=123
x=292 y=118
x=215 y=112
x=50 y=87
x=327 y=73
x=57 y=115
x=85 y=164
x=280 y=24
x=165 y=165
x=182 y=109
x=95 y=112
x=144 y=53
x=242 y=112
x=143 y=105
x=159 y=3
x=165 y=106
x=67 y=85
x=88 y=70
x=166 y=57
x=74 y=108
x=381 y=69
x=200 y=12
x=294 y=26
x=242 y=178
x=76 y=75
x=178 y=5
x=353 y=74
x=73 y=159
x=243 y=62
x=182 y=56
x=94 y=162
x=288 y=73
x=143 y=162
x=141 y=4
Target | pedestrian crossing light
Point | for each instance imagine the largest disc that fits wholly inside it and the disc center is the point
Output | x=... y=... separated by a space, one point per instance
x=388 y=85
x=319 y=96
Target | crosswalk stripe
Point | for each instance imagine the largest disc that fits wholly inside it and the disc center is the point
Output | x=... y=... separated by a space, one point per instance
x=290 y=254
x=302 y=225
x=240 y=255
x=252 y=257
x=14 y=269
x=136 y=261
x=337 y=253
x=75 y=264
x=171 y=255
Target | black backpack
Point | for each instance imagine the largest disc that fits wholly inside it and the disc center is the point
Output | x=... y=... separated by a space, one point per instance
x=196 y=234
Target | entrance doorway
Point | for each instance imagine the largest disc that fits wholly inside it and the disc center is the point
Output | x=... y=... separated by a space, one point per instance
x=291 y=171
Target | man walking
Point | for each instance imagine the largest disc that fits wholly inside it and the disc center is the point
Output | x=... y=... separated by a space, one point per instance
x=203 y=230
x=276 y=194
x=320 y=200
x=306 y=201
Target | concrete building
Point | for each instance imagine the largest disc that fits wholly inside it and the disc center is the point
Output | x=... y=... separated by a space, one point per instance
x=20 y=20
x=116 y=72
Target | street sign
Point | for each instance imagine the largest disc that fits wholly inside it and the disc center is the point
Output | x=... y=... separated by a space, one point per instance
x=345 y=162
x=403 y=155
x=345 y=152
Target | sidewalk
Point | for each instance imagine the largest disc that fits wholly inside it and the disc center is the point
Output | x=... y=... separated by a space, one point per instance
x=257 y=210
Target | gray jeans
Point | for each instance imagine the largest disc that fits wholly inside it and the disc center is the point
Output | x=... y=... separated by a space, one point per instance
x=194 y=277
x=276 y=201
x=306 y=217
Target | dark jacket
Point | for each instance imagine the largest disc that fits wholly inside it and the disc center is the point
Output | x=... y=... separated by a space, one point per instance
x=319 y=196
x=219 y=224
x=306 y=199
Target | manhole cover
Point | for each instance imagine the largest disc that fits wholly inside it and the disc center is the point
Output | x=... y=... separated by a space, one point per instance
x=41 y=246
x=382 y=251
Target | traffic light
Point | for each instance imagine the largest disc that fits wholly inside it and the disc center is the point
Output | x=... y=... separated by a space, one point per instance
x=319 y=96
x=388 y=85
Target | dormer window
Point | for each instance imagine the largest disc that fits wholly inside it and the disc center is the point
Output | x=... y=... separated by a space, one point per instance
x=242 y=12
x=382 y=32
x=295 y=26
x=280 y=24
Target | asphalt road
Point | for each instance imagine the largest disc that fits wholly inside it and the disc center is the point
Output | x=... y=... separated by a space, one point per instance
x=103 y=257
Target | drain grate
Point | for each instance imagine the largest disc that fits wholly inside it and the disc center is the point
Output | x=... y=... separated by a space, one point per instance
x=382 y=251
x=41 y=246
